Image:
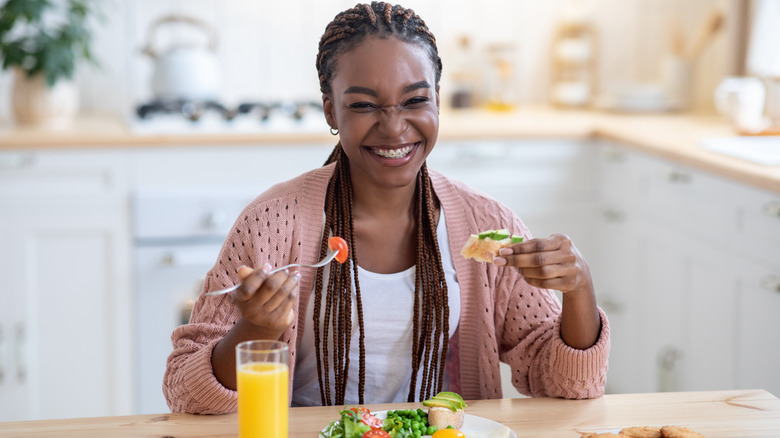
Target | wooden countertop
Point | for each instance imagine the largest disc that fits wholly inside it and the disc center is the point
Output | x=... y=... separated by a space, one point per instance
x=716 y=414
x=672 y=136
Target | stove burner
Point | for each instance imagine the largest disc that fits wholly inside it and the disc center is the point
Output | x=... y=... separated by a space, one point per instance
x=190 y=109
x=296 y=110
x=194 y=110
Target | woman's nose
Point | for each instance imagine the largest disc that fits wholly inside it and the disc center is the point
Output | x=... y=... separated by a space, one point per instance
x=392 y=121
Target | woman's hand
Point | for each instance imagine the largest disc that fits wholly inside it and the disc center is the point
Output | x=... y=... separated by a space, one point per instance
x=551 y=263
x=555 y=263
x=265 y=300
x=265 y=305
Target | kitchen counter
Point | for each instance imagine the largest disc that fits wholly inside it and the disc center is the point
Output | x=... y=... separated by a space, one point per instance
x=674 y=137
x=716 y=414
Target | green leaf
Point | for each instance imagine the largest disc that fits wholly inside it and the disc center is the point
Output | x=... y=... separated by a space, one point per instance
x=37 y=48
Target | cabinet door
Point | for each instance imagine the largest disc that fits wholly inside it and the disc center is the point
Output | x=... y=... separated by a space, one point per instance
x=65 y=236
x=712 y=280
x=662 y=308
x=74 y=285
x=14 y=399
x=759 y=330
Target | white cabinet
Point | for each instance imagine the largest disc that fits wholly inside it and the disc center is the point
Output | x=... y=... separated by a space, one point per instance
x=690 y=263
x=66 y=340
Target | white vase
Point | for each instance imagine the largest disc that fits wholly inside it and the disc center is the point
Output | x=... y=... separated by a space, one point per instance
x=35 y=103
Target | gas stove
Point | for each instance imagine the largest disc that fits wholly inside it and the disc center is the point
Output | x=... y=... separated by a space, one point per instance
x=205 y=116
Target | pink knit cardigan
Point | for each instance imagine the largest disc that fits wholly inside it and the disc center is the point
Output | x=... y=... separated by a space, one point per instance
x=502 y=317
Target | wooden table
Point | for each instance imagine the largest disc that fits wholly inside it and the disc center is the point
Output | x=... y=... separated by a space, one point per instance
x=741 y=413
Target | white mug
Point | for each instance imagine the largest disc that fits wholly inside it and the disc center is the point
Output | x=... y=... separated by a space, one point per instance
x=743 y=99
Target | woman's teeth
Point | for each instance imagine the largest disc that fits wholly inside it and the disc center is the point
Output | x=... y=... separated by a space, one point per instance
x=393 y=153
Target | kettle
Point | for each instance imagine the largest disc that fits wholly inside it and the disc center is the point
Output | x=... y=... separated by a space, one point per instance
x=184 y=71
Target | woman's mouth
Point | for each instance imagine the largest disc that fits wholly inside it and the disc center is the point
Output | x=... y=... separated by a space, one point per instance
x=393 y=153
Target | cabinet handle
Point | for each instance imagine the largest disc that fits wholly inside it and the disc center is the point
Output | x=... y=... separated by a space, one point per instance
x=613 y=215
x=21 y=353
x=612 y=155
x=610 y=305
x=677 y=176
x=771 y=282
x=772 y=209
x=17 y=161
x=668 y=373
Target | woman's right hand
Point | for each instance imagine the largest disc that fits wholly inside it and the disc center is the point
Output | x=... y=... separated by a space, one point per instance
x=265 y=300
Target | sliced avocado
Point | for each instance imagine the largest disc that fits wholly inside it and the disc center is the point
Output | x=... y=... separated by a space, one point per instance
x=501 y=234
x=442 y=403
x=516 y=238
x=488 y=233
x=451 y=396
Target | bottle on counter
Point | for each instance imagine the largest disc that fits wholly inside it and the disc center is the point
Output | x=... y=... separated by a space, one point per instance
x=465 y=76
x=501 y=93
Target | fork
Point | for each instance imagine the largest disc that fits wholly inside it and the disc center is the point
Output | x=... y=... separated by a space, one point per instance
x=322 y=262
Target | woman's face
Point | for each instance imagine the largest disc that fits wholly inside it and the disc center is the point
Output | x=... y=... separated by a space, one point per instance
x=385 y=104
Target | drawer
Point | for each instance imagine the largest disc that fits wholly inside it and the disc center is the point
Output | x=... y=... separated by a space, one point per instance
x=79 y=173
x=702 y=204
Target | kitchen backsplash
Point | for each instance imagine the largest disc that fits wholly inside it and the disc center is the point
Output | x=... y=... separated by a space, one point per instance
x=266 y=49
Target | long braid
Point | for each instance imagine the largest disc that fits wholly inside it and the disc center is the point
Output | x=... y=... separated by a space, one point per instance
x=431 y=311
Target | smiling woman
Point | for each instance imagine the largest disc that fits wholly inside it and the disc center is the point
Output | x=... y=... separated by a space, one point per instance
x=405 y=317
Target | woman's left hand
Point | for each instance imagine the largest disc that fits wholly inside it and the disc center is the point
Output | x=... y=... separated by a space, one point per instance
x=555 y=263
x=551 y=263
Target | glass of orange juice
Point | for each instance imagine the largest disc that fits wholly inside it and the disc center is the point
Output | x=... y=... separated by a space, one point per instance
x=262 y=371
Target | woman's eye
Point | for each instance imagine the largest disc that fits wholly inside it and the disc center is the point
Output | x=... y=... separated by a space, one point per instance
x=416 y=102
x=363 y=106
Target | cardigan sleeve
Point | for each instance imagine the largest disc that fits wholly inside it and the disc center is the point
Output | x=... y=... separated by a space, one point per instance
x=262 y=233
x=189 y=384
x=543 y=365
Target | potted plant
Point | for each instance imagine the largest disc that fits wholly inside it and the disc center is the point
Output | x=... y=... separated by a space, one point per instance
x=42 y=41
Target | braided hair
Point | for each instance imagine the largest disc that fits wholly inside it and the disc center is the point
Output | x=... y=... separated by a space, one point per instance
x=431 y=311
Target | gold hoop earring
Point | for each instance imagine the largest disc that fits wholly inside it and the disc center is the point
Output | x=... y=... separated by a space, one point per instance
x=334 y=131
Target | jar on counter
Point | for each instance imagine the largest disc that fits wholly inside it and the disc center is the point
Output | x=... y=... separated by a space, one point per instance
x=574 y=54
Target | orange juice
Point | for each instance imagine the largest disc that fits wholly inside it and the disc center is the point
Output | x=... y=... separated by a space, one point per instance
x=262 y=400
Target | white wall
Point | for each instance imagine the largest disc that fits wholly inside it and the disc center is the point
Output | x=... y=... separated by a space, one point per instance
x=267 y=48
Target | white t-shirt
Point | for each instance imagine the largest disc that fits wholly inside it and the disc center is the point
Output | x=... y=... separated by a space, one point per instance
x=388 y=301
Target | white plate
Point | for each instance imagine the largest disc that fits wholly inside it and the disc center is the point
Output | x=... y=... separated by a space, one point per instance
x=473 y=427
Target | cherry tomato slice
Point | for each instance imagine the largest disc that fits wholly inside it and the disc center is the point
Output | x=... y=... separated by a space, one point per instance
x=376 y=433
x=337 y=243
x=371 y=421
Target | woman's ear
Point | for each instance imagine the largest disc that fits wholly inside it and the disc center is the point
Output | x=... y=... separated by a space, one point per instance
x=438 y=99
x=327 y=109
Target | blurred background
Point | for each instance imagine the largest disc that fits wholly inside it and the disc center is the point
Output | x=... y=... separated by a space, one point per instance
x=266 y=50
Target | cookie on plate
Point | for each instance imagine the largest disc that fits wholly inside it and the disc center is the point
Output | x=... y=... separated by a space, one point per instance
x=679 y=432
x=641 y=432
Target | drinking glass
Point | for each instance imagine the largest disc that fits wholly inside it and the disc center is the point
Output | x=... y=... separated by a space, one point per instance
x=262 y=372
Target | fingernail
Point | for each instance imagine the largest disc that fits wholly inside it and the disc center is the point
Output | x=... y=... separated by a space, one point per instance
x=297 y=276
x=499 y=261
x=294 y=293
x=505 y=251
x=267 y=268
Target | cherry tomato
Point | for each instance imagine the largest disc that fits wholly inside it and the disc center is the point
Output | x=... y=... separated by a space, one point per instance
x=358 y=410
x=371 y=421
x=337 y=243
x=376 y=433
